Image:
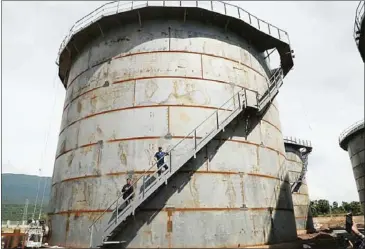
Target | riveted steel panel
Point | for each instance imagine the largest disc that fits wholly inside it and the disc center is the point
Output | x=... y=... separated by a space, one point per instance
x=101 y=100
x=232 y=156
x=121 y=41
x=79 y=162
x=272 y=114
x=232 y=72
x=356 y=144
x=137 y=88
x=155 y=64
x=190 y=38
x=124 y=124
x=268 y=161
x=67 y=140
x=271 y=137
x=272 y=192
x=194 y=195
x=183 y=92
x=357 y=159
x=87 y=81
x=294 y=168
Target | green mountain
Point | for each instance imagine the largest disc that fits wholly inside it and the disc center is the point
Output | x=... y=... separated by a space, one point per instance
x=16 y=188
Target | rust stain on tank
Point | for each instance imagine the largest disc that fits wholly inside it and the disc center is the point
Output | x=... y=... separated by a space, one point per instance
x=86 y=150
x=194 y=191
x=242 y=187
x=98 y=130
x=86 y=193
x=151 y=88
x=169 y=221
x=169 y=226
x=230 y=192
x=62 y=147
x=79 y=106
x=67 y=226
x=189 y=95
x=184 y=117
x=70 y=158
x=93 y=103
x=77 y=215
x=123 y=147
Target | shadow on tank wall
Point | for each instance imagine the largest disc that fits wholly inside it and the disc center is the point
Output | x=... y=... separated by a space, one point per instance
x=279 y=223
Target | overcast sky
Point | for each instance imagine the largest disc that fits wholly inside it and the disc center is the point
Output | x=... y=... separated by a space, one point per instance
x=320 y=97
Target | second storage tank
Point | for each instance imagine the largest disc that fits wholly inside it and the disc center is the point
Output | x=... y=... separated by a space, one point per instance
x=297 y=152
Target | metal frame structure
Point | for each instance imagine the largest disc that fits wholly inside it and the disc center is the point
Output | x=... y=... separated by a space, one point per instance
x=116 y=7
x=352 y=129
x=359 y=17
x=150 y=182
x=293 y=140
x=307 y=146
x=265 y=37
x=359 y=28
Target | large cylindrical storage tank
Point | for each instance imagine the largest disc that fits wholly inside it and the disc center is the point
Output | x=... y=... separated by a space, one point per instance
x=146 y=81
x=301 y=200
x=352 y=140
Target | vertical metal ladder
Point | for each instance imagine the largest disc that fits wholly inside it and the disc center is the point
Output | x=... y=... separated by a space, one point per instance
x=180 y=153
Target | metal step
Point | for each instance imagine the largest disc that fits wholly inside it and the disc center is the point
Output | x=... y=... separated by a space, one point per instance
x=180 y=153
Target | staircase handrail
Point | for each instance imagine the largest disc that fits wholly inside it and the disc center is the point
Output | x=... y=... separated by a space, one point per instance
x=115 y=7
x=146 y=172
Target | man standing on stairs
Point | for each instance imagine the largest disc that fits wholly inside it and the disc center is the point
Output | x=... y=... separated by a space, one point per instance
x=160 y=156
x=127 y=191
x=127 y=194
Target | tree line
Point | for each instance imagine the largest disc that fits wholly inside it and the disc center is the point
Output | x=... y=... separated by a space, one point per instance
x=323 y=207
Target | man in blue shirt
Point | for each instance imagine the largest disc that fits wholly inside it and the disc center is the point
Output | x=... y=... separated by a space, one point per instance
x=160 y=156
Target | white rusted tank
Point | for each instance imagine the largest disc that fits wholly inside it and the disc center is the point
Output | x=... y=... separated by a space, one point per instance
x=145 y=78
x=296 y=157
x=352 y=140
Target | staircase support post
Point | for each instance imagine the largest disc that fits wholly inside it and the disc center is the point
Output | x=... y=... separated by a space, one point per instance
x=144 y=185
x=195 y=143
x=170 y=159
x=216 y=116
x=117 y=207
x=239 y=100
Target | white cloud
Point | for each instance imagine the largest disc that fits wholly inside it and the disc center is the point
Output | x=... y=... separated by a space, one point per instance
x=321 y=96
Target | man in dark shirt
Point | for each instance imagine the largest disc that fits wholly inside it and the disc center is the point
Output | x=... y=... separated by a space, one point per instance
x=128 y=195
x=127 y=191
x=160 y=156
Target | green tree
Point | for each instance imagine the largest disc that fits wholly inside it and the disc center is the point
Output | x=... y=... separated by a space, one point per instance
x=346 y=206
x=355 y=207
x=323 y=206
x=313 y=208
